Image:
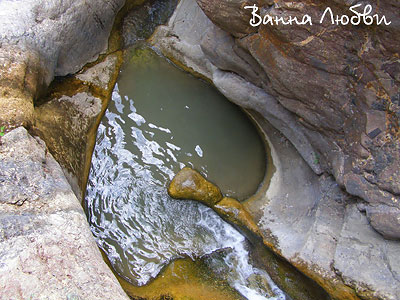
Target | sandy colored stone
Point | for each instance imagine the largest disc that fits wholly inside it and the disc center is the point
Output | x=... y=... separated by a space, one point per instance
x=190 y=184
x=235 y=213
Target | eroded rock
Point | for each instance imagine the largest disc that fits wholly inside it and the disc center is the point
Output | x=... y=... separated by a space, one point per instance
x=341 y=90
x=46 y=248
x=235 y=213
x=69 y=116
x=40 y=40
x=308 y=91
x=190 y=184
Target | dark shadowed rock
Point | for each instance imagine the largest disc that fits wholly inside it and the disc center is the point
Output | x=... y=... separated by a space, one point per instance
x=232 y=11
x=140 y=23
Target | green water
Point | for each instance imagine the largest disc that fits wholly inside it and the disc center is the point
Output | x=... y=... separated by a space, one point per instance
x=161 y=119
x=213 y=135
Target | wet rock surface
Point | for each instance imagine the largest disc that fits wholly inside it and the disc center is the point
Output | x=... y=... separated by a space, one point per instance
x=297 y=81
x=68 y=118
x=46 y=247
x=140 y=23
x=327 y=88
x=190 y=184
x=42 y=39
x=236 y=213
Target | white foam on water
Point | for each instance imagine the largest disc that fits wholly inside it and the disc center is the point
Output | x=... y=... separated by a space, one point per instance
x=136 y=223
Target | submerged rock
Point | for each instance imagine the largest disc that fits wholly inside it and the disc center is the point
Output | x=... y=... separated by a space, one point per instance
x=190 y=184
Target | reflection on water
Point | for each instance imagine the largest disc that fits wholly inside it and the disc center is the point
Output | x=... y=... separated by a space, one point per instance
x=159 y=120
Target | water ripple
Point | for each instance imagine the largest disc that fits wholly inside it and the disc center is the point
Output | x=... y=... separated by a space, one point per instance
x=135 y=222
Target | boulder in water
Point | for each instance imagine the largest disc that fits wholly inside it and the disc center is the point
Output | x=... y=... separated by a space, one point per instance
x=190 y=184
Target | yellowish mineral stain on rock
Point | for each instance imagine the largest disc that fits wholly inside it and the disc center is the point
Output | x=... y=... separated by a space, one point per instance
x=234 y=212
x=182 y=279
x=190 y=184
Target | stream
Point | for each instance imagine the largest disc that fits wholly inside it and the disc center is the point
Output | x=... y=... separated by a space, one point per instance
x=159 y=120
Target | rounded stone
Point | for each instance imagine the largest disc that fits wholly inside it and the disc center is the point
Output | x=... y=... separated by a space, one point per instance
x=190 y=184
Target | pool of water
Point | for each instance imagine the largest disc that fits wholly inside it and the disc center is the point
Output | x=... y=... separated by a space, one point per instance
x=159 y=120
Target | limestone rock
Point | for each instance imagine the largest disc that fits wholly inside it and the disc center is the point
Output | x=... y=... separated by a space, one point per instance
x=101 y=74
x=342 y=92
x=318 y=228
x=46 y=248
x=66 y=34
x=313 y=87
x=20 y=82
x=65 y=123
x=69 y=116
x=190 y=184
x=229 y=10
x=43 y=39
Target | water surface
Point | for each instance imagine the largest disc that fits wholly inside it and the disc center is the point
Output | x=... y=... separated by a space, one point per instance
x=159 y=120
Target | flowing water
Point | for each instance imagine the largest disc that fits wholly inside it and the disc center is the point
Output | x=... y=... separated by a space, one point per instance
x=159 y=120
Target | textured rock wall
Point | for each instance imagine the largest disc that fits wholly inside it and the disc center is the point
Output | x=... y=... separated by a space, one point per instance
x=304 y=215
x=70 y=114
x=46 y=248
x=340 y=84
x=43 y=39
x=333 y=91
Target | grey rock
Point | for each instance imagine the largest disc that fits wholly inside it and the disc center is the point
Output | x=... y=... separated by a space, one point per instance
x=42 y=39
x=318 y=225
x=385 y=219
x=66 y=34
x=46 y=248
x=100 y=74
x=341 y=89
x=305 y=217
